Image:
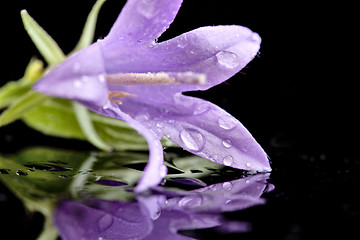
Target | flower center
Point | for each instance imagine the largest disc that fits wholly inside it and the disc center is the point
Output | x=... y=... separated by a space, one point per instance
x=160 y=78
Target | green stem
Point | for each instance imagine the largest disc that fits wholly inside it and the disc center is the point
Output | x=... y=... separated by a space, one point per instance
x=87 y=127
x=79 y=181
x=49 y=231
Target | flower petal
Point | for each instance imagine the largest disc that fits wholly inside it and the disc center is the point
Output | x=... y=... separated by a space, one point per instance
x=218 y=52
x=105 y=220
x=144 y=20
x=80 y=77
x=155 y=169
x=204 y=129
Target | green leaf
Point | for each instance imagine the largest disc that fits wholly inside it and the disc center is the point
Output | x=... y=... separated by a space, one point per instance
x=40 y=175
x=89 y=29
x=44 y=43
x=55 y=117
x=13 y=90
x=22 y=105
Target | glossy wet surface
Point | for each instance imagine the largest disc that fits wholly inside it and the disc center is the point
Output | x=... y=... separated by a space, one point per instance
x=308 y=195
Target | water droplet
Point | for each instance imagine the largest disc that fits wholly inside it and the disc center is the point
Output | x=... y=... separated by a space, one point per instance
x=228 y=59
x=227 y=122
x=201 y=108
x=105 y=222
x=227 y=186
x=77 y=83
x=193 y=139
x=163 y=171
x=101 y=79
x=248 y=164
x=160 y=124
x=228 y=160
x=142 y=118
x=247 y=181
x=147 y=8
x=47 y=167
x=214 y=158
x=190 y=202
x=156 y=215
x=255 y=37
x=227 y=143
x=76 y=67
x=4 y=171
x=21 y=173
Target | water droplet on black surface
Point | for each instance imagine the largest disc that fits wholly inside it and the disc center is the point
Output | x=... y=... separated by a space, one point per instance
x=47 y=167
x=4 y=171
x=21 y=173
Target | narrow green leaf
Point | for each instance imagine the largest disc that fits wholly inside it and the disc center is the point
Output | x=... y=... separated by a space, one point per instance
x=87 y=127
x=12 y=91
x=48 y=48
x=25 y=103
x=89 y=29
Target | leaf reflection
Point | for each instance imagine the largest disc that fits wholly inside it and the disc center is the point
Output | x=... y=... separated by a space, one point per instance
x=90 y=195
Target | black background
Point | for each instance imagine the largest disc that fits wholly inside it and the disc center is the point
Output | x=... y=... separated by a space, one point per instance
x=298 y=98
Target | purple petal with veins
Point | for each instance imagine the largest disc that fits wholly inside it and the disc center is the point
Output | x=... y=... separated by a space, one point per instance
x=131 y=77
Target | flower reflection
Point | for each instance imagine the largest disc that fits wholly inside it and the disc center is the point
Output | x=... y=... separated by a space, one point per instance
x=159 y=215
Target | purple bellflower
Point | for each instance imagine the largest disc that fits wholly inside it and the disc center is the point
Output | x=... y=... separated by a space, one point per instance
x=159 y=216
x=130 y=76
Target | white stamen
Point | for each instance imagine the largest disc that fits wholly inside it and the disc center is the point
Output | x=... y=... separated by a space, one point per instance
x=155 y=78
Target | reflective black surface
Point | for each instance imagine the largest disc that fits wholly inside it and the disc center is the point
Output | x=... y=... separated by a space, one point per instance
x=282 y=97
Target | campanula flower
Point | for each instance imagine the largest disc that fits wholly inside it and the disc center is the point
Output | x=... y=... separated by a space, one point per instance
x=131 y=76
x=159 y=216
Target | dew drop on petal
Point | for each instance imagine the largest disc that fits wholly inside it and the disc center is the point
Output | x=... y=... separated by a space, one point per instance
x=248 y=164
x=102 y=79
x=156 y=215
x=76 y=67
x=147 y=8
x=190 y=202
x=228 y=160
x=105 y=222
x=163 y=171
x=77 y=83
x=228 y=59
x=227 y=143
x=193 y=139
x=215 y=158
x=227 y=122
x=142 y=118
x=201 y=109
x=227 y=186
x=255 y=37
